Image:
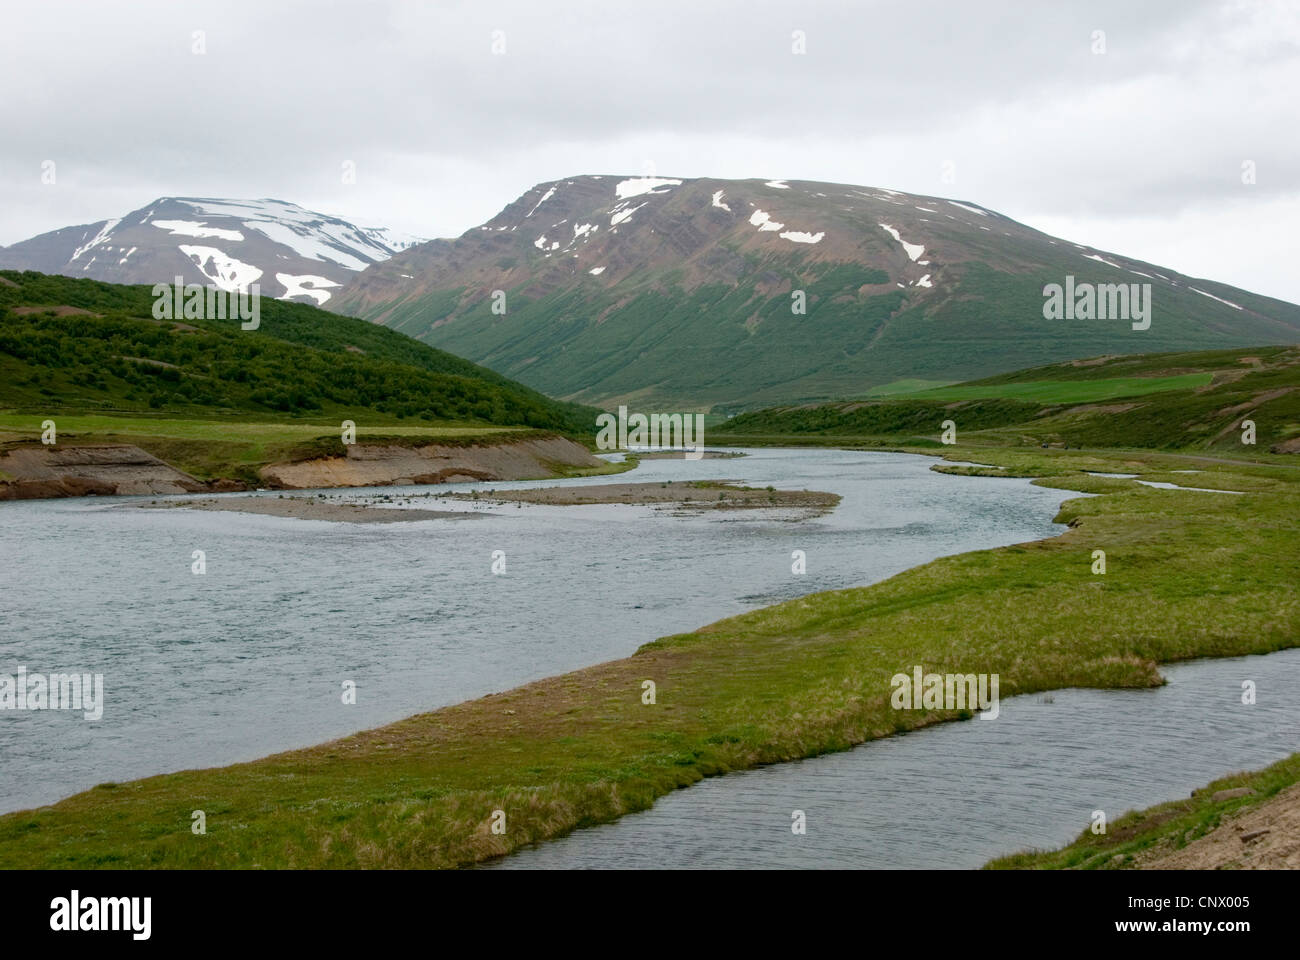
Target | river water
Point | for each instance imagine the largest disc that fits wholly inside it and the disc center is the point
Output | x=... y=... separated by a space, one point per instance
x=959 y=794
x=250 y=658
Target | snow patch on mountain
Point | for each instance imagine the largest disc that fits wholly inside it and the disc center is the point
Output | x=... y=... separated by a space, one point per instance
x=306 y=244
x=764 y=222
x=622 y=216
x=546 y=196
x=717 y=201
x=305 y=285
x=913 y=250
x=310 y=235
x=637 y=186
x=99 y=238
x=225 y=271
x=1213 y=297
x=1101 y=259
x=393 y=240
x=796 y=236
x=196 y=229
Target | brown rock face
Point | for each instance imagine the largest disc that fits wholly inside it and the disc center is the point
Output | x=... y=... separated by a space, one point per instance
x=368 y=465
x=78 y=471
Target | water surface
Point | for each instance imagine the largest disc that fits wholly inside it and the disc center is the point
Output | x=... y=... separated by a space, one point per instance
x=959 y=794
x=250 y=658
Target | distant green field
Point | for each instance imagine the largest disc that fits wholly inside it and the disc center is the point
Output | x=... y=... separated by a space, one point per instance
x=1188 y=401
x=1059 y=391
x=910 y=385
x=16 y=426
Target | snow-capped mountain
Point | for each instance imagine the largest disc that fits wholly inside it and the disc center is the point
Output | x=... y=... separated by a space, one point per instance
x=742 y=293
x=289 y=252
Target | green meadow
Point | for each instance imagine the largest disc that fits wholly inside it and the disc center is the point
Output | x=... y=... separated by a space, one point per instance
x=1063 y=391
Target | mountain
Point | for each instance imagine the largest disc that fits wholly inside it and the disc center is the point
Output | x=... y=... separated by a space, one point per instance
x=290 y=252
x=660 y=291
x=87 y=346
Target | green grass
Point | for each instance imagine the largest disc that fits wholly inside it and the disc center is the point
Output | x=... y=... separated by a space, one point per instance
x=911 y=385
x=1066 y=391
x=1161 y=829
x=1189 y=575
x=275 y=431
x=1187 y=401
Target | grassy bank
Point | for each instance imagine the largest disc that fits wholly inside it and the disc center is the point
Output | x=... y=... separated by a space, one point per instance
x=1144 y=837
x=1189 y=574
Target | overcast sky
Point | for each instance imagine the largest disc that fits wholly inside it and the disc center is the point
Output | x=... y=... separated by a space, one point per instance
x=1138 y=149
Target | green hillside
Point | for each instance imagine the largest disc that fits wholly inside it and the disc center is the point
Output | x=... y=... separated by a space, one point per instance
x=597 y=289
x=88 y=347
x=1183 y=401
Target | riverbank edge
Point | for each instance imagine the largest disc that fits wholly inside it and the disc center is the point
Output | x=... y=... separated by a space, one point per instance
x=1148 y=839
x=87 y=467
x=583 y=800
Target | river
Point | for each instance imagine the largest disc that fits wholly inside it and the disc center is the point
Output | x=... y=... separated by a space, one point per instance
x=250 y=658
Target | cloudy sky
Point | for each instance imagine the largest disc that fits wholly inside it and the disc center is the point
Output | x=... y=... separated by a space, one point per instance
x=1128 y=126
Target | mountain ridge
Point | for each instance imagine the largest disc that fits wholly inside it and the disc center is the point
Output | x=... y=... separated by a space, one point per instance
x=289 y=251
x=666 y=290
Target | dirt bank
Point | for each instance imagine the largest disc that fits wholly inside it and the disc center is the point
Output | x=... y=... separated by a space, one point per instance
x=370 y=465
x=75 y=471
x=1263 y=837
x=29 y=471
